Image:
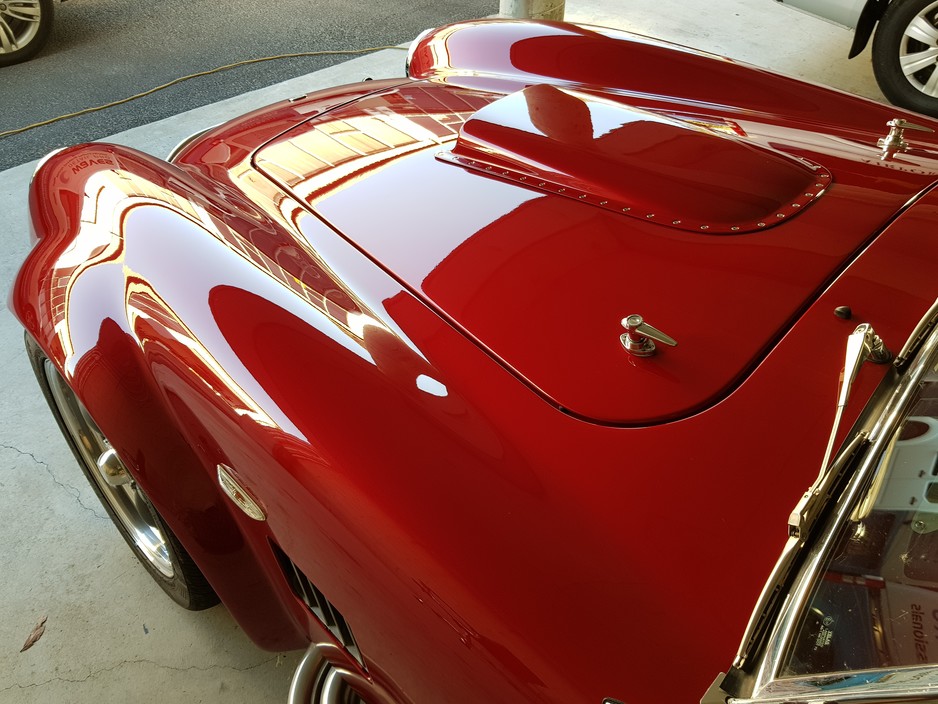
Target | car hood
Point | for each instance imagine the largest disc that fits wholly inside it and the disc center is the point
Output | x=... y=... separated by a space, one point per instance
x=536 y=220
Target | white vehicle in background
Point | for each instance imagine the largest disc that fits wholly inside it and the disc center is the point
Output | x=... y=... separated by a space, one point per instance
x=905 y=44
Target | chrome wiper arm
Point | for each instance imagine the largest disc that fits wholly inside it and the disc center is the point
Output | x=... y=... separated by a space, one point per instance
x=863 y=345
x=920 y=351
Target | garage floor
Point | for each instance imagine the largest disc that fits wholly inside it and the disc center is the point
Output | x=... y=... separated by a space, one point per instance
x=111 y=635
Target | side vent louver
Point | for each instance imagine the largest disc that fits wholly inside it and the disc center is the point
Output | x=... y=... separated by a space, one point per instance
x=319 y=605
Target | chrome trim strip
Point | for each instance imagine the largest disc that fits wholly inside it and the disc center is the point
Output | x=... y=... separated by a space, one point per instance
x=898 y=684
x=769 y=687
x=923 y=327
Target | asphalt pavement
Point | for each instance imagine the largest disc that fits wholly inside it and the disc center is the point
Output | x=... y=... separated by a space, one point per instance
x=105 y=50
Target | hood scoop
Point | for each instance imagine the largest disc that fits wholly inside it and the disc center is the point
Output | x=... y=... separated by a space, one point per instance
x=647 y=166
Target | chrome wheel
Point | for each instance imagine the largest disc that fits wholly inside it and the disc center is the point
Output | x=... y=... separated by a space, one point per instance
x=128 y=504
x=24 y=28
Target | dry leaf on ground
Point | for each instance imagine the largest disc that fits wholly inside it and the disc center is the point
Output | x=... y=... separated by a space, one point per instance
x=35 y=635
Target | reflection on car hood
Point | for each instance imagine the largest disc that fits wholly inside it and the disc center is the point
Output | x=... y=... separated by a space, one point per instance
x=536 y=222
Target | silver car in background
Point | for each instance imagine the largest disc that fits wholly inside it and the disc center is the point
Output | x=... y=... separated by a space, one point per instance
x=905 y=44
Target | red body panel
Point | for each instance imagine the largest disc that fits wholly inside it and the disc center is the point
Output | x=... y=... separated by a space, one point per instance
x=542 y=279
x=391 y=412
x=498 y=55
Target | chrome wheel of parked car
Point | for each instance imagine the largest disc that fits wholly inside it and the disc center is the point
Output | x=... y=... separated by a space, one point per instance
x=128 y=506
x=905 y=54
x=25 y=26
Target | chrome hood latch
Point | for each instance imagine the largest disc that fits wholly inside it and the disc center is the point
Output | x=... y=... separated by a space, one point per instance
x=894 y=141
x=639 y=337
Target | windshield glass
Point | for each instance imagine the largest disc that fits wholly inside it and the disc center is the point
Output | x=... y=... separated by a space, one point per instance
x=875 y=604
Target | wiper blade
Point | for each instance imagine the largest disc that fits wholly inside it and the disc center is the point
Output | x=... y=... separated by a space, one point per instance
x=863 y=345
x=776 y=588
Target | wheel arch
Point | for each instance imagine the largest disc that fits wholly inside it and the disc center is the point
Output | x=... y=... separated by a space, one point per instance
x=118 y=392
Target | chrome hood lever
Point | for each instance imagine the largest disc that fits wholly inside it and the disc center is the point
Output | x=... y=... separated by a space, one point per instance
x=639 y=337
x=894 y=141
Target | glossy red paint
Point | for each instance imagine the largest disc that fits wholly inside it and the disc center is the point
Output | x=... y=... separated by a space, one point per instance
x=542 y=280
x=605 y=153
x=498 y=55
x=370 y=348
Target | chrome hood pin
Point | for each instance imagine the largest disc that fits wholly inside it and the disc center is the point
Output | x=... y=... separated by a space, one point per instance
x=639 y=337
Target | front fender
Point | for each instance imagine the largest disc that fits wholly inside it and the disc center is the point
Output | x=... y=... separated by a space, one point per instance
x=101 y=215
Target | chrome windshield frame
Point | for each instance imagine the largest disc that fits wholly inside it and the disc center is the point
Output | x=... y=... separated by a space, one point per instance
x=768 y=686
x=885 y=685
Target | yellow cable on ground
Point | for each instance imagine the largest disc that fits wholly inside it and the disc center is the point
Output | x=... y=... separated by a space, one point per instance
x=196 y=75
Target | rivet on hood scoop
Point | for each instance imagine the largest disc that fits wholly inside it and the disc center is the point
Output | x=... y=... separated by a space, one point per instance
x=636 y=162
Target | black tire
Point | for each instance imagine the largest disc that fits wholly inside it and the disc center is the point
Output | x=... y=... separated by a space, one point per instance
x=908 y=30
x=150 y=539
x=25 y=26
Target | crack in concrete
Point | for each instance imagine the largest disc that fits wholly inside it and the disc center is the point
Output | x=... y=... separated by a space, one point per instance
x=76 y=494
x=142 y=661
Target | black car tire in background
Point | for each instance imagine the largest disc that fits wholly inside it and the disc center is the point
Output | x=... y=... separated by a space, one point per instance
x=25 y=26
x=135 y=517
x=907 y=28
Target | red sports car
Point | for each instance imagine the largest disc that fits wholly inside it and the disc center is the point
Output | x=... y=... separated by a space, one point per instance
x=514 y=381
